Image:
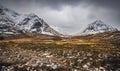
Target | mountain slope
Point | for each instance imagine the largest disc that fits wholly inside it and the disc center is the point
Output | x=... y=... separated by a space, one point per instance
x=98 y=27
x=28 y=23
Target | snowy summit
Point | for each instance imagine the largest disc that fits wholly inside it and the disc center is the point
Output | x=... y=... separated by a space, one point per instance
x=98 y=27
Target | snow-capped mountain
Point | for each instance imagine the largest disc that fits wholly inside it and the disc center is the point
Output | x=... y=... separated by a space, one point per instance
x=98 y=27
x=14 y=22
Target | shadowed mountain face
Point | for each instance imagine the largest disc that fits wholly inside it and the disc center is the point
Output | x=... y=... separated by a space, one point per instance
x=13 y=23
x=98 y=27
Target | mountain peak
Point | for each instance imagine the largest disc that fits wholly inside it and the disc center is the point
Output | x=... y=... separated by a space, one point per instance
x=98 y=26
x=24 y=23
x=98 y=23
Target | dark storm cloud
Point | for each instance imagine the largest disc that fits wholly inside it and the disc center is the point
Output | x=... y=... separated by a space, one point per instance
x=103 y=3
x=115 y=4
x=108 y=4
x=56 y=4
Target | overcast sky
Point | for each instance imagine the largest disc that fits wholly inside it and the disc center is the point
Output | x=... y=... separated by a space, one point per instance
x=69 y=16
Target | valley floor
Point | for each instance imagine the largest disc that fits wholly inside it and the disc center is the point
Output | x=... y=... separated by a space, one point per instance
x=28 y=54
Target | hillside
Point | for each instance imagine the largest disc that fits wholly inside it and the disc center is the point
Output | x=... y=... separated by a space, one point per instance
x=99 y=36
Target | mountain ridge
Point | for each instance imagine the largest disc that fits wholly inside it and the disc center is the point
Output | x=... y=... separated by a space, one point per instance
x=26 y=23
x=97 y=26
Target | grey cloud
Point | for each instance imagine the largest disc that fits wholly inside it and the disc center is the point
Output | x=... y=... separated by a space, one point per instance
x=58 y=3
x=106 y=3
